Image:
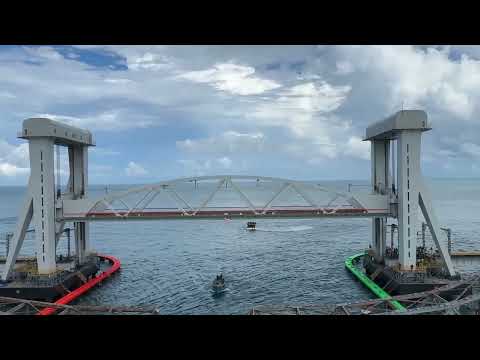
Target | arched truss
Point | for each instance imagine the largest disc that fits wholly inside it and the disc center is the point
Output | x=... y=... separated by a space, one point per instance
x=226 y=196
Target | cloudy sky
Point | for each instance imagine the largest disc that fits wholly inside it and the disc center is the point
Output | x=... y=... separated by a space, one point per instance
x=162 y=112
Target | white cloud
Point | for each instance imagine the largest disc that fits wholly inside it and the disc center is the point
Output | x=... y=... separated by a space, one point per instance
x=304 y=110
x=225 y=162
x=459 y=103
x=14 y=154
x=98 y=170
x=6 y=95
x=111 y=120
x=7 y=169
x=232 y=78
x=104 y=151
x=321 y=96
x=148 y=61
x=200 y=167
x=357 y=148
x=313 y=104
x=344 y=67
x=308 y=77
x=118 y=81
x=196 y=167
x=470 y=149
x=13 y=159
x=101 y=168
x=45 y=52
x=416 y=76
x=229 y=142
x=133 y=169
x=308 y=99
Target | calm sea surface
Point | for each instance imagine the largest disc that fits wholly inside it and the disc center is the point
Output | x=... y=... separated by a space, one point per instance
x=171 y=264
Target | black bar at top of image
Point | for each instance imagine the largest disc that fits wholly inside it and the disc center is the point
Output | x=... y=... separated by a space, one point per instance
x=243 y=23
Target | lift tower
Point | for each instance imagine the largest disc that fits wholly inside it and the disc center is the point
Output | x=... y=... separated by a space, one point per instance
x=410 y=193
x=41 y=200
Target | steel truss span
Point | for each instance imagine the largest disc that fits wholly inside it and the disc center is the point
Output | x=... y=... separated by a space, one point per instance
x=465 y=301
x=16 y=306
x=231 y=196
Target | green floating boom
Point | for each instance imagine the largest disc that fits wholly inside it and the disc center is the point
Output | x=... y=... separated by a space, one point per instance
x=365 y=280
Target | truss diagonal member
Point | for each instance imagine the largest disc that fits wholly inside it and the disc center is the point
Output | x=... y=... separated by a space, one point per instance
x=442 y=300
x=220 y=184
x=59 y=227
x=151 y=199
x=335 y=207
x=109 y=206
x=177 y=195
x=468 y=287
x=304 y=195
x=244 y=197
x=139 y=202
x=275 y=196
x=121 y=194
x=124 y=204
x=333 y=200
x=16 y=308
x=179 y=207
x=19 y=235
x=435 y=308
x=354 y=202
x=425 y=202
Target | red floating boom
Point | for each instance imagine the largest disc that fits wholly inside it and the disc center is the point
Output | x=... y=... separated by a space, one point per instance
x=85 y=287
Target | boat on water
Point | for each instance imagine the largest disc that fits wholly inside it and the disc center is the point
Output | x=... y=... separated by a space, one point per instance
x=218 y=284
x=251 y=225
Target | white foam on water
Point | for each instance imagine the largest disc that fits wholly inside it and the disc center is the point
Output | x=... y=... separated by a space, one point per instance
x=286 y=228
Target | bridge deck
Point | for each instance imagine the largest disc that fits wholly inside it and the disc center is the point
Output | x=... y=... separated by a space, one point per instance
x=222 y=213
x=465 y=254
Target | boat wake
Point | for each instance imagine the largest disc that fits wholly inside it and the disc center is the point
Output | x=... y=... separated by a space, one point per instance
x=286 y=229
x=218 y=293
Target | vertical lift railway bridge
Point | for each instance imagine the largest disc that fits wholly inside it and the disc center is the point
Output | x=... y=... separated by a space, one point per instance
x=398 y=192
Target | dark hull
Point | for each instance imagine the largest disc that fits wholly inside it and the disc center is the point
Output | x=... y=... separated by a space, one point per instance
x=393 y=283
x=51 y=292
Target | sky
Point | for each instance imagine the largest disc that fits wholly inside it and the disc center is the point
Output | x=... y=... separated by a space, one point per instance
x=297 y=112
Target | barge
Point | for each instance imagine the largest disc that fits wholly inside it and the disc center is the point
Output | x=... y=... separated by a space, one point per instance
x=66 y=285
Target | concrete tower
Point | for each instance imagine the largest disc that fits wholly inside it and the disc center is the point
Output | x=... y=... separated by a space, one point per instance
x=410 y=193
x=41 y=200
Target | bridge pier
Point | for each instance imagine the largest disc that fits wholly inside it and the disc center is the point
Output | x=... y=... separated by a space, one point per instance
x=408 y=160
x=42 y=205
x=380 y=153
x=405 y=128
x=78 y=163
x=42 y=187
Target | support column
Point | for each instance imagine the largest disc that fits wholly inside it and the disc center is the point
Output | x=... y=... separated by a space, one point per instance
x=78 y=159
x=85 y=191
x=16 y=242
x=438 y=236
x=380 y=175
x=408 y=165
x=42 y=187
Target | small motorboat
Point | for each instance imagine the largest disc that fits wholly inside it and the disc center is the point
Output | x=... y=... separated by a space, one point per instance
x=218 y=284
x=251 y=225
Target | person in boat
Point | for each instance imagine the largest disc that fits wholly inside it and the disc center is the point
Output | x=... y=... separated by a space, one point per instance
x=219 y=283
